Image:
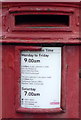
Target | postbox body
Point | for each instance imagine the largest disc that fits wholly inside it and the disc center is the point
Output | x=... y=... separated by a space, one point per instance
x=41 y=60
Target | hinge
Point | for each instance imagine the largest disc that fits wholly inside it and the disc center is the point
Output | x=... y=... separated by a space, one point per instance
x=80 y=73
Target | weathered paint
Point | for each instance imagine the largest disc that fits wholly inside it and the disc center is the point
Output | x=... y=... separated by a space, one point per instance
x=80 y=69
x=70 y=87
x=68 y=34
x=14 y=38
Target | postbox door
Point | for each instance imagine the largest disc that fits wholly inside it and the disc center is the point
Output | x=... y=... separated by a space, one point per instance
x=12 y=81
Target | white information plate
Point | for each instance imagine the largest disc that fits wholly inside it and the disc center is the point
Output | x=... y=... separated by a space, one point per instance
x=41 y=78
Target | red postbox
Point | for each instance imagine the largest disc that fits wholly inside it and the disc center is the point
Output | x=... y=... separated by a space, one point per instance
x=41 y=60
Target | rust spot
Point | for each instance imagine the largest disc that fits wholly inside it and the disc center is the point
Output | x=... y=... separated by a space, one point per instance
x=2 y=37
x=48 y=9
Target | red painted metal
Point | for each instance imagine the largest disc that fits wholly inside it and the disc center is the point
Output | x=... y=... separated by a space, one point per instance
x=0 y=82
x=80 y=79
x=0 y=63
x=68 y=34
x=70 y=87
x=15 y=39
